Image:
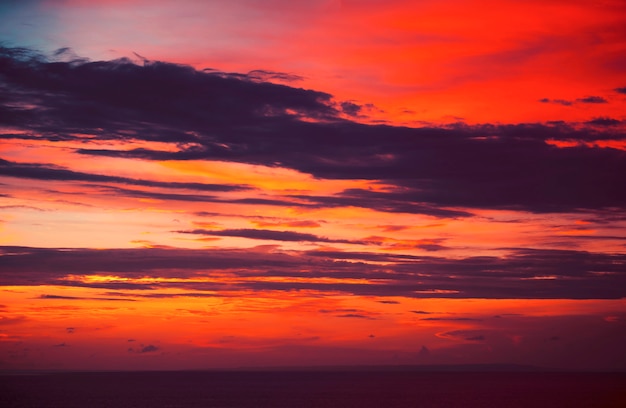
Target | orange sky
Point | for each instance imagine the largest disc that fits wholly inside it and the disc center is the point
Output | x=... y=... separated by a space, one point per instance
x=354 y=182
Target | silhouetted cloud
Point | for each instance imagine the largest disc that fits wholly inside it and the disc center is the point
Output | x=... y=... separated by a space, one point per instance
x=268 y=235
x=557 y=101
x=356 y=316
x=604 y=122
x=149 y=349
x=621 y=90
x=49 y=172
x=523 y=273
x=592 y=99
x=209 y=115
x=81 y=298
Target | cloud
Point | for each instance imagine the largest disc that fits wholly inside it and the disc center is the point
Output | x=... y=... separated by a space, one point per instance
x=592 y=99
x=143 y=349
x=356 y=316
x=208 y=115
x=522 y=274
x=292 y=224
x=268 y=235
x=49 y=172
x=350 y=108
x=468 y=335
x=149 y=349
x=604 y=121
x=58 y=297
x=557 y=101
x=587 y=99
x=621 y=90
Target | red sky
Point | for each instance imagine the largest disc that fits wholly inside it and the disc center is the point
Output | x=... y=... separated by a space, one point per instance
x=275 y=183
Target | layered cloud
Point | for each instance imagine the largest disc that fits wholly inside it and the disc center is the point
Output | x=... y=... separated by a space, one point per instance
x=213 y=116
x=524 y=273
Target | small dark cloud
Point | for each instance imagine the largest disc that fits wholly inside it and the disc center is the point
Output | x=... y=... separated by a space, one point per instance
x=604 y=121
x=264 y=75
x=432 y=247
x=592 y=99
x=149 y=349
x=337 y=310
x=268 y=235
x=389 y=302
x=621 y=90
x=356 y=316
x=468 y=335
x=60 y=345
x=458 y=319
x=70 y=330
x=557 y=101
x=350 y=108
x=82 y=298
x=420 y=312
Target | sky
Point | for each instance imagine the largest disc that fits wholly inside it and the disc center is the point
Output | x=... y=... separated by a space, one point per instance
x=217 y=184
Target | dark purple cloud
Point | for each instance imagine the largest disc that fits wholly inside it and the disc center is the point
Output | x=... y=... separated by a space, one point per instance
x=592 y=99
x=150 y=348
x=557 y=101
x=524 y=273
x=51 y=172
x=586 y=99
x=56 y=297
x=207 y=115
x=604 y=121
x=269 y=235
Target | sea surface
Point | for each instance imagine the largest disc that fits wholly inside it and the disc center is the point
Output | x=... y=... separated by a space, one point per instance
x=295 y=389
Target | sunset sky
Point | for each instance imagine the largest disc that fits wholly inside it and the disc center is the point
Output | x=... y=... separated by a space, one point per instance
x=218 y=184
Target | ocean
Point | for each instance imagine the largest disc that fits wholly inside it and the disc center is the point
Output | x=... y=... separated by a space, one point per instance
x=321 y=389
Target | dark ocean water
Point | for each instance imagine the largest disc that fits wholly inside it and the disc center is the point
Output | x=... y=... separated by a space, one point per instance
x=313 y=389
